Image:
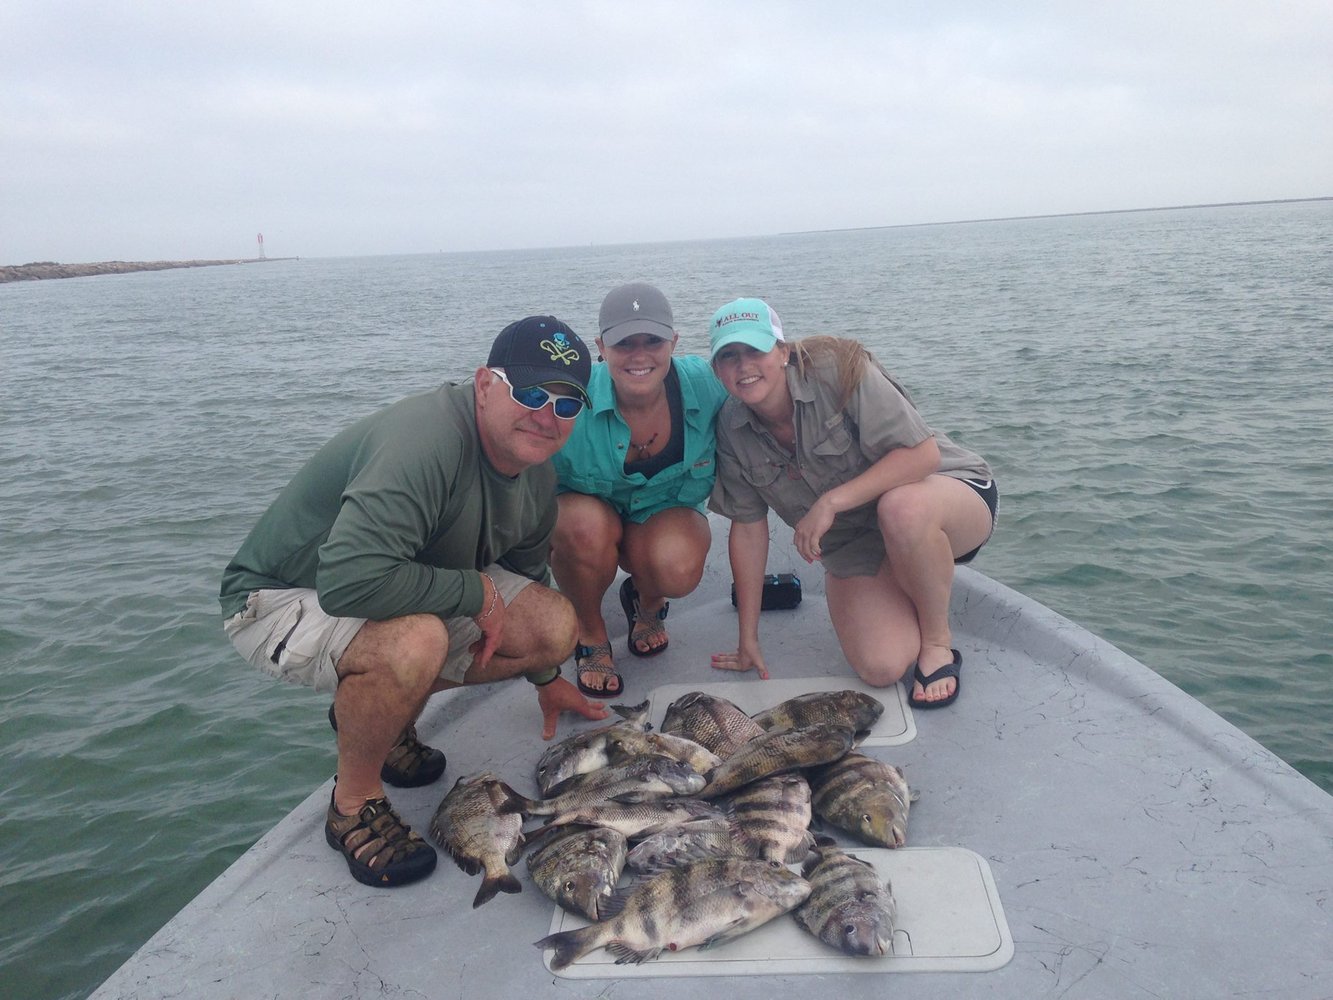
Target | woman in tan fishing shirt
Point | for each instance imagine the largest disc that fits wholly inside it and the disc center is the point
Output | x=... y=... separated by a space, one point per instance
x=820 y=433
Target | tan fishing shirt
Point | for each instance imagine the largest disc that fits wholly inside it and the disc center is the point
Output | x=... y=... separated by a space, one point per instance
x=756 y=473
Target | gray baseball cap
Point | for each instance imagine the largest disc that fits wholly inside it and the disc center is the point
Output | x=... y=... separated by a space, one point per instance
x=634 y=308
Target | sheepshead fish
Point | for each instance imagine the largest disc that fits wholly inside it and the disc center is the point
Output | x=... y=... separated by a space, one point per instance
x=864 y=796
x=703 y=903
x=777 y=752
x=480 y=824
x=635 y=819
x=770 y=818
x=692 y=841
x=848 y=906
x=856 y=710
x=710 y=721
x=586 y=751
x=638 y=780
x=625 y=743
x=580 y=870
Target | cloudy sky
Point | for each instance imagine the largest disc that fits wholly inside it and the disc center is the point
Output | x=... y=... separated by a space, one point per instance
x=152 y=130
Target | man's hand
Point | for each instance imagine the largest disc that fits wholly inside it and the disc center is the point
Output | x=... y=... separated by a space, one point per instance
x=562 y=696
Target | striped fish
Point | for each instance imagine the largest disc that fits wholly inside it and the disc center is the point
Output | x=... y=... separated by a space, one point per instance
x=864 y=796
x=698 y=904
x=849 y=907
x=713 y=722
x=770 y=818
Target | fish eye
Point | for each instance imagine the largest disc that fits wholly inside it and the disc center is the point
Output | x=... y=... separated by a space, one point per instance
x=569 y=885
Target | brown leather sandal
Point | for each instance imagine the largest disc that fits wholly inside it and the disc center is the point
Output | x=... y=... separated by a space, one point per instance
x=390 y=853
x=410 y=764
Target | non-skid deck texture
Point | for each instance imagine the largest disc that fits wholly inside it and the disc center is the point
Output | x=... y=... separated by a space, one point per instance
x=949 y=919
x=1142 y=846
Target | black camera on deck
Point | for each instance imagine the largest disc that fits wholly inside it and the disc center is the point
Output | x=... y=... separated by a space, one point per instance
x=782 y=592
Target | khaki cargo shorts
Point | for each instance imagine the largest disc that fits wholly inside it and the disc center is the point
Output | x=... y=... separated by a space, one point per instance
x=287 y=635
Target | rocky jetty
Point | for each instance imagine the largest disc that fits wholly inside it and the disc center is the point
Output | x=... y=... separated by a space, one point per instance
x=39 y=270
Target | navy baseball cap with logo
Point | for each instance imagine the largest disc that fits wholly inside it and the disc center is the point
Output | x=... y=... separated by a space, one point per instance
x=540 y=350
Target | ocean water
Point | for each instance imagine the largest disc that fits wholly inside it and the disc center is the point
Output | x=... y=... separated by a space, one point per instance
x=1152 y=389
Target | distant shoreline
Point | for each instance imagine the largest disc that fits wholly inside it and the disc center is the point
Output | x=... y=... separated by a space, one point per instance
x=42 y=270
x=1058 y=215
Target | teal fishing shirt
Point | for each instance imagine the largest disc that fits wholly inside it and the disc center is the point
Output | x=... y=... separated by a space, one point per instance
x=593 y=459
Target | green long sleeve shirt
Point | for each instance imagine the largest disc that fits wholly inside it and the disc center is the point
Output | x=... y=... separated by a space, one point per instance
x=397 y=515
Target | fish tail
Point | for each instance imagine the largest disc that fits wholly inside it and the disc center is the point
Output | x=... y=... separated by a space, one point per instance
x=568 y=945
x=494 y=884
x=534 y=807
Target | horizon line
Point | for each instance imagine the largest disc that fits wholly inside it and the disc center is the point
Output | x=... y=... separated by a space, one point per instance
x=1057 y=215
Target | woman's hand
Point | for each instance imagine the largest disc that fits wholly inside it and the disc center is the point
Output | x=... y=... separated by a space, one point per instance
x=811 y=528
x=748 y=657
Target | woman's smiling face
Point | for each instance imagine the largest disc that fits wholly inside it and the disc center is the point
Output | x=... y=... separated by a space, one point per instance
x=640 y=362
x=753 y=377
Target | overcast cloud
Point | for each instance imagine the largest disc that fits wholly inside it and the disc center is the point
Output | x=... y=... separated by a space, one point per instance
x=180 y=130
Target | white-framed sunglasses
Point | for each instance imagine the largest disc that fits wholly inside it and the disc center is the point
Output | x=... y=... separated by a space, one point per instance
x=534 y=397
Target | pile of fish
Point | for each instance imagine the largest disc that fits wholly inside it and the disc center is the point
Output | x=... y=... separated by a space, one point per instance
x=709 y=812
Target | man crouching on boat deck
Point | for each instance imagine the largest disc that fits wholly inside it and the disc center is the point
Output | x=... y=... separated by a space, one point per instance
x=409 y=556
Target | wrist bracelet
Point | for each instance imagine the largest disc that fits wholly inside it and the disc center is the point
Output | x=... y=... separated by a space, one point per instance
x=545 y=677
x=495 y=597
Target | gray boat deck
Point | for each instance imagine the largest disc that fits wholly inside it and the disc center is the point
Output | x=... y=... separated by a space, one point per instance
x=1139 y=845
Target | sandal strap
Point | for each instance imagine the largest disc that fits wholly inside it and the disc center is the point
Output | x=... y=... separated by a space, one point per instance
x=409 y=762
x=377 y=832
x=647 y=619
x=594 y=659
x=651 y=628
x=409 y=753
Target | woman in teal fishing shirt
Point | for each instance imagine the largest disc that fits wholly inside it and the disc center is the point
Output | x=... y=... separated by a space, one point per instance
x=635 y=476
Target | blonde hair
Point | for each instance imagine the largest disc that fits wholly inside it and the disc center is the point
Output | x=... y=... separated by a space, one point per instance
x=848 y=354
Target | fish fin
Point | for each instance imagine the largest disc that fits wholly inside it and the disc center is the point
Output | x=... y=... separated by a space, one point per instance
x=562 y=786
x=492 y=885
x=636 y=714
x=626 y=955
x=537 y=833
x=611 y=906
x=568 y=945
x=734 y=929
x=469 y=864
x=799 y=851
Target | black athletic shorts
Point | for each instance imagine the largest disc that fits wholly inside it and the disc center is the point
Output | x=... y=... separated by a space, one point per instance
x=987 y=491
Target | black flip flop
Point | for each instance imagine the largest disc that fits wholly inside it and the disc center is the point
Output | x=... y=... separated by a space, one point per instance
x=948 y=670
x=629 y=602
